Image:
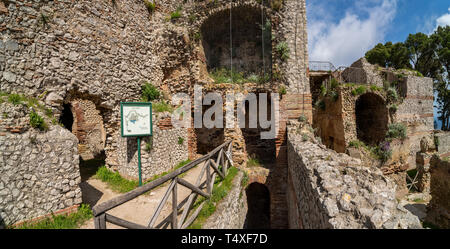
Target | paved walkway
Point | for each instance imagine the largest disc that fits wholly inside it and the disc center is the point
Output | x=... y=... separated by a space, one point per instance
x=140 y=209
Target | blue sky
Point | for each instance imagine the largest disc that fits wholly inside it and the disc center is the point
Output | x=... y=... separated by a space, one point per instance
x=341 y=31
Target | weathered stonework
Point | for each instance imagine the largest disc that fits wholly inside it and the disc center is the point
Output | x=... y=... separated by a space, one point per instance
x=39 y=173
x=438 y=211
x=168 y=147
x=331 y=190
x=231 y=211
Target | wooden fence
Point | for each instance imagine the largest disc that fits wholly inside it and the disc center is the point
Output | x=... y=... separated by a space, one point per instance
x=212 y=168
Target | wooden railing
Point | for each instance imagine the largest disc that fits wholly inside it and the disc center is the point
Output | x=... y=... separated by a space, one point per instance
x=223 y=157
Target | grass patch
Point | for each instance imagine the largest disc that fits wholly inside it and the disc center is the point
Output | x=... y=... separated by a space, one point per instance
x=162 y=106
x=253 y=162
x=220 y=190
x=225 y=75
x=119 y=184
x=357 y=144
x=71 y=221
x=375 y=88
x=115 y=181
x=15 y=99
x=176 y=14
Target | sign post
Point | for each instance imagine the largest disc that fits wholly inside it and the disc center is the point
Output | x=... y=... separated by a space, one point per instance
x=136 y=121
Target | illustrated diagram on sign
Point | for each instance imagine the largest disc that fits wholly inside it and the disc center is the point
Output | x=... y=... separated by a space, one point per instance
x=136 y=120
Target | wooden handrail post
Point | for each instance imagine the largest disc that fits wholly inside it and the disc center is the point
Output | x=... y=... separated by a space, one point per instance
x=100 y=221
x=174 y=204
x=208 y=177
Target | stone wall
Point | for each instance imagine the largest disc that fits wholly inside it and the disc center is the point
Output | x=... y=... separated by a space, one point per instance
x=231 y=211
x=39 y=173
x=438 y=210
x=106 y=50
x=168 y=147
x=416 y=112
x=331 y=190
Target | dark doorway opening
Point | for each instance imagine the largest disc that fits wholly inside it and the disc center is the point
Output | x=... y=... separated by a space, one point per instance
x=371 y=118
x=209 y=138
x=258 y=200
x=67 y=117
x=262 y=150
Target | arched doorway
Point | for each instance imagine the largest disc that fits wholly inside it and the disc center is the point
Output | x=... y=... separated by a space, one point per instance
x=258 y=200
x=245 y=41
x=371 y=118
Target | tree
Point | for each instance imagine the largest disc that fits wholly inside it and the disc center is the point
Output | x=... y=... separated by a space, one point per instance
x=429 y=55
x=378 y=55
x=441 y=40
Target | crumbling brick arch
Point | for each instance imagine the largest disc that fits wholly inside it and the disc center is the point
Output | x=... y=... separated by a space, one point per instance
x=251 y=52
x=83 y=116
x=372 y=118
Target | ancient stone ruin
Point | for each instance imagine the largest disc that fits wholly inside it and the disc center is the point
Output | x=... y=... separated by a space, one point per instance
x=65 y=67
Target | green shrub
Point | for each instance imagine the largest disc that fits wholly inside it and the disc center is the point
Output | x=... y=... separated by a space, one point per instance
x=359 y=90
x=180 y=140
x=323 y=90
x=397 y=130
x=37 y=121
x=149 y=92
x=334 y=95
x=392 y=94
x=334 y=83
x=148 y=146
x=320 y=104
x=282 y=90
x=302 y=118
x=283 y=50
x=393 y=108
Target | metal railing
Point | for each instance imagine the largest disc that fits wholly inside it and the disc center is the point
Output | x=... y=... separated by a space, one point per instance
x=323 y=66
x=223 y=158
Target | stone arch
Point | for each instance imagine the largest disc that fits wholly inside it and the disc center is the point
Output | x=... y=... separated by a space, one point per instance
x=83 y=115
x=248 y=40
x=372 y=118
x=258 y=200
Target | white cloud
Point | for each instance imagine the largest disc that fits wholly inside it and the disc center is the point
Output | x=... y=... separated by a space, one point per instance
x=443 y=20
x=346 y=40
